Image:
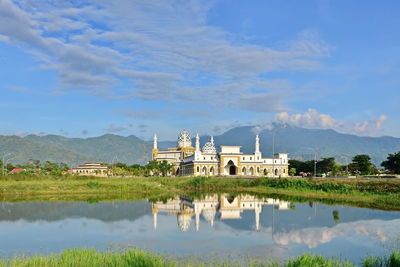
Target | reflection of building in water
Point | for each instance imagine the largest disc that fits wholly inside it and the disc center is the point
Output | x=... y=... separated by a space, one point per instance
x=227 y=161
x=225 y=205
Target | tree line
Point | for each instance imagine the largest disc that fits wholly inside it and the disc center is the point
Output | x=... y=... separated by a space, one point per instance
x=360 y=165
x=34 y=166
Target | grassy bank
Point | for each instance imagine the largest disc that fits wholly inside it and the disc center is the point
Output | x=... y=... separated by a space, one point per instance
x=139 y=258
x=373 y=193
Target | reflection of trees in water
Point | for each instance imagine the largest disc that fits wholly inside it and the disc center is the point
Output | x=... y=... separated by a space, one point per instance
x=336 y=216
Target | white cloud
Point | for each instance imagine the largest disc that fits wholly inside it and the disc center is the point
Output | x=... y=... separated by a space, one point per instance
x=313 y=119
x=114 y=128
x=164 y=48
x=313 y=237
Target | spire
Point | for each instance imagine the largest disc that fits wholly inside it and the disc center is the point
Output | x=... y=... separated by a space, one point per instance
x=197 y=142
x=257 y=213
x=155 y=142
x=212 y=140
x=257 y=144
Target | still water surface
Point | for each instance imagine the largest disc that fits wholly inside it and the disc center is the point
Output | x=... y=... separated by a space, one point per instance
x=219 y=226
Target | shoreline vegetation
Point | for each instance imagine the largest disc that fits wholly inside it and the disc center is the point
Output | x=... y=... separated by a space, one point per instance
x=140 y=258
x=369 y=193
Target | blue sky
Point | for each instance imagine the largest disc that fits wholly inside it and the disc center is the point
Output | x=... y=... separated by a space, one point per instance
x=85 y=68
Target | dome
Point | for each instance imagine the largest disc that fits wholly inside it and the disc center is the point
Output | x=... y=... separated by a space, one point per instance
x=209 y=214
x=209 y=147
x=184 y=220
x=184 y=139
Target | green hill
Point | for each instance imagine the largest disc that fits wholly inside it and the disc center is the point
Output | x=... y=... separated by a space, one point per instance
x=73 y=151
x=299 y=142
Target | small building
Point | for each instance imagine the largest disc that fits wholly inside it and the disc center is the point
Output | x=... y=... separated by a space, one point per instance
x=92 y=169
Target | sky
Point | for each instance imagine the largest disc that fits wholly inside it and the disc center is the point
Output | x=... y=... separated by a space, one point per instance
x=87 y=68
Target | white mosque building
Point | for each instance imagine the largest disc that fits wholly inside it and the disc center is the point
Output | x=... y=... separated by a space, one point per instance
x=228 y=161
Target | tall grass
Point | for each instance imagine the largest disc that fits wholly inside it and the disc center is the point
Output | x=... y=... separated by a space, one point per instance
x=308 y=260
x=140 y=258
x=383 y=193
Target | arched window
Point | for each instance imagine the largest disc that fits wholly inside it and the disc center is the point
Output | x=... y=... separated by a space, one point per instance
x=204 y=172
x=212 y=171
x=198 y=169
x=244 y=171
x=251 y=172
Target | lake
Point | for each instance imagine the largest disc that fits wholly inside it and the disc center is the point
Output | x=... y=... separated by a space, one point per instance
x=216 y=226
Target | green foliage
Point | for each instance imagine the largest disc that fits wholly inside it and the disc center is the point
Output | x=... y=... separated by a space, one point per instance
x=308 y=260
x=140 y=258
x=362 y=164
x=336 y=216
x=392 y=164
x=84 y=257
x=303 y=184
x=292 y=171
x=164 y=167
x=326 y=166
x=197 y=182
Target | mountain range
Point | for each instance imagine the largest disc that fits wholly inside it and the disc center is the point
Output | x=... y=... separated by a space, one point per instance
x=300 y=143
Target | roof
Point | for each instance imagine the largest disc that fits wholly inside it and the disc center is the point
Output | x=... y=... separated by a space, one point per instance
x=18 y=170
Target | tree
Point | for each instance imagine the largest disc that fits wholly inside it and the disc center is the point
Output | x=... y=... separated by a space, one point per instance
x=164 y=167
x=392 y=164
x=336 y=216
x=119 y=171
x=35 y=163
x=326 y=165
x=361 y=164
x=292 y=171
x=302 y=166
x=137 y=170
x=152 y=168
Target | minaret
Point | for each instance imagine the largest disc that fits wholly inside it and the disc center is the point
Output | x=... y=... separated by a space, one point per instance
x=197 y=221
x=212 y=140
x=155 y=148
x=257 y=144
x=155 y=213
x=257 y=213
x=155 y=142
x=257 y=152
x=197 y=143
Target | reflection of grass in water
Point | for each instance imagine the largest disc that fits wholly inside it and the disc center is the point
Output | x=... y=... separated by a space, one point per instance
x=136 y=257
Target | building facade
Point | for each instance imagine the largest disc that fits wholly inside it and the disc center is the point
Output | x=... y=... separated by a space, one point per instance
x=228 y=161
x=92 y=169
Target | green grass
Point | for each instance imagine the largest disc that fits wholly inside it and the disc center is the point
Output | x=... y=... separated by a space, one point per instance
x=371 y=193
x=140 y=258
